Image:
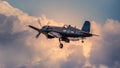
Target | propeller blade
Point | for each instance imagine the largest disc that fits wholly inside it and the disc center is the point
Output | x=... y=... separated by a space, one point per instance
x=48 y=23
x=39 y=22
x=38 y=35
x=34 y=28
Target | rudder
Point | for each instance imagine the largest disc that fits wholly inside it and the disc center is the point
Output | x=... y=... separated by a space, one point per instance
x=86 y=26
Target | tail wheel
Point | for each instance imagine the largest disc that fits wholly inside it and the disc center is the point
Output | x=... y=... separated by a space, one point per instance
x=82 y=41
x=61 y=45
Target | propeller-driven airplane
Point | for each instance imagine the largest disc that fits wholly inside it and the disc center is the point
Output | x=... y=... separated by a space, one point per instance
x=66 y=33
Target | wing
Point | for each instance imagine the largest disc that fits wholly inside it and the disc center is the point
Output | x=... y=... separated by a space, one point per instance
x=55 y=34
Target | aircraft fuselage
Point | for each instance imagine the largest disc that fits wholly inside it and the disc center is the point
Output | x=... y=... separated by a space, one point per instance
x=66 y=32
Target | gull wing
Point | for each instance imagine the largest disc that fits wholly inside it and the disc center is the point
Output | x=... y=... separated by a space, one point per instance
x=55 y=34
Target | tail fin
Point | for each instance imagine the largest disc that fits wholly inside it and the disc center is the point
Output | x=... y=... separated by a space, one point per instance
x=86 y=26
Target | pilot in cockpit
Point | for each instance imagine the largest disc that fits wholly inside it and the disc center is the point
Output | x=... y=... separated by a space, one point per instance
x=66 y=26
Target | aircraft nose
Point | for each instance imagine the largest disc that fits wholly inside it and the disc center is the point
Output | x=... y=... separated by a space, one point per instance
x=44 y=29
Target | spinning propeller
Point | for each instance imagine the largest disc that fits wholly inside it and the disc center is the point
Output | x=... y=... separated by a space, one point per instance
x=39 y=30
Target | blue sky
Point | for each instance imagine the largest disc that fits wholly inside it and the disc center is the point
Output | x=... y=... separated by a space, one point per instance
x=71 y=11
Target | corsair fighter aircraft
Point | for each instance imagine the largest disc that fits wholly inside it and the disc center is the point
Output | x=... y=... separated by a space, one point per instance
x=66 y=33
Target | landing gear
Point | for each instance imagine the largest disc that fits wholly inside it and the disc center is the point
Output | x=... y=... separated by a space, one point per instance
x=61 y=45
x=82 y=41
x=65 y=39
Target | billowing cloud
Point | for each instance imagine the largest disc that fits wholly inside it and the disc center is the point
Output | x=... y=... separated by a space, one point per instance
x=20 y=49
x=105 y=50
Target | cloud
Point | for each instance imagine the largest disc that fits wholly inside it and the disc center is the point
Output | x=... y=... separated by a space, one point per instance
x=12 y=45
x=105 y=50
x=20 y=49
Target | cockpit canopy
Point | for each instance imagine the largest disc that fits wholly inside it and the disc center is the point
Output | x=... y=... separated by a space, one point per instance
x=68 y=26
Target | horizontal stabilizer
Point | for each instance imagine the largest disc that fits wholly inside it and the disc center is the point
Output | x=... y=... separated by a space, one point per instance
x=94 y=35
